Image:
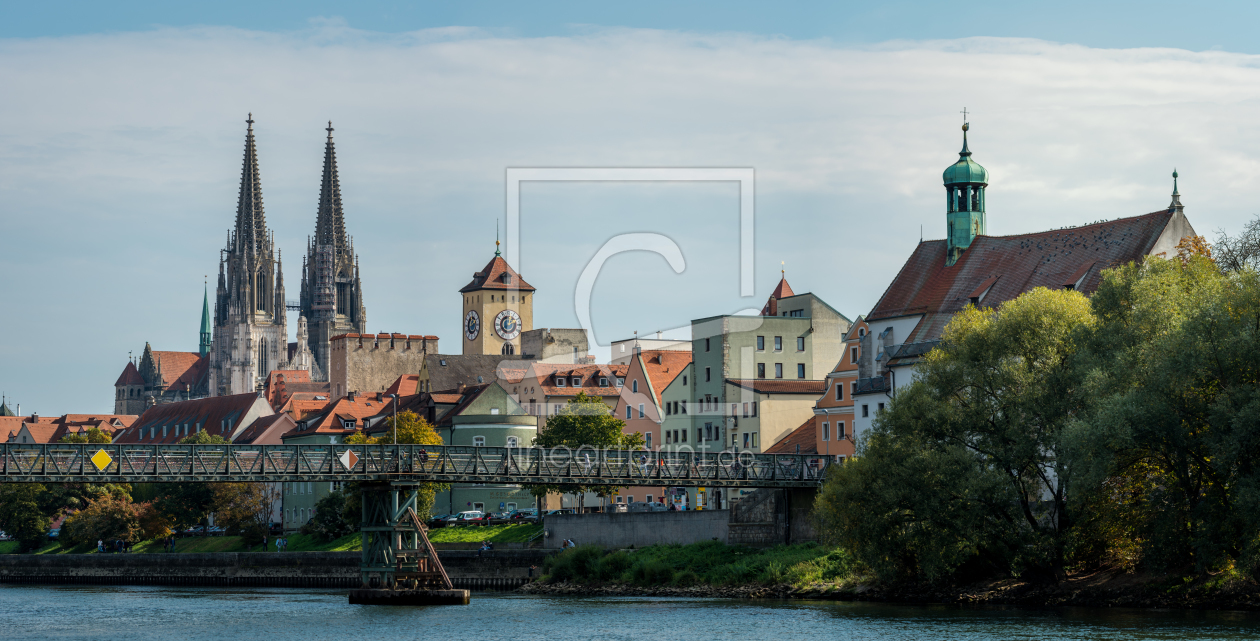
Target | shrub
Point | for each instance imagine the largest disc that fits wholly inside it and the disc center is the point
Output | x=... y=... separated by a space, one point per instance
x=654 y=572
x=329 y=522
x=108 y=517
x=577 y=564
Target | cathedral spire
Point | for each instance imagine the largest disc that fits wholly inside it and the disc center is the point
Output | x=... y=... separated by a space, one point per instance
x=330 y=227
x=205 y=323
x=251 y=224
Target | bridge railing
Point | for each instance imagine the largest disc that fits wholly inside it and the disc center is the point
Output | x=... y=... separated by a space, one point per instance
x=418 y=463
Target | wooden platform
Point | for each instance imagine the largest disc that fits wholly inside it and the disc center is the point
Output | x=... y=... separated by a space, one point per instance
x=409 y=597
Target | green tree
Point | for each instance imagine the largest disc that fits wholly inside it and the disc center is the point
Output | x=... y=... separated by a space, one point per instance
x=411 y=429
x=185 y=504
x=245 y=509
x=331 y=520
x=582 y=427
x=110 y=517
x=93 y=435
x=971 y=461
x=23 y=515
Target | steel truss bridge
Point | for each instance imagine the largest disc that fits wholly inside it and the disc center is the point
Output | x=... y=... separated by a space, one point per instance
x=410 y=464
x=397 y=555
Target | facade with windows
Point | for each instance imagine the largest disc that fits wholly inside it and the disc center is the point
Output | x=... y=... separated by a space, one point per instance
x=797 y=338
x=833 y=411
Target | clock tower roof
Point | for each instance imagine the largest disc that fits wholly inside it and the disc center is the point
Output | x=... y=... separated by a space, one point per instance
x=497 y=275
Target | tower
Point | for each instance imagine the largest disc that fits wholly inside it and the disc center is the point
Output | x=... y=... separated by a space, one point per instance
x=965 y=182
x=332 y=293
x=1175 y=206
x=498 y=307
x=250 y=337
x=206 y=331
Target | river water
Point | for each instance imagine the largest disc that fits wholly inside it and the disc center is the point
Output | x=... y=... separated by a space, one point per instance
x=208 y=614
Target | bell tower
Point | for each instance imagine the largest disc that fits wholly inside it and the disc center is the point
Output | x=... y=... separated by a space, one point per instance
x=498 y=306
x=965 y=182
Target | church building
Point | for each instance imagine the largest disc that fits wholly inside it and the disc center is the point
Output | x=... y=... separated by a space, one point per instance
x=970 y=267
x=159 y=377
x=332 y=294
x=250 y=334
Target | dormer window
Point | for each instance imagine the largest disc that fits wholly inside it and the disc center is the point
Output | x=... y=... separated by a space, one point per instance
x=507 y=278
x=561 y=381
x=603 y=382
x=577 y=381
x=347 y=423
x=620 y=381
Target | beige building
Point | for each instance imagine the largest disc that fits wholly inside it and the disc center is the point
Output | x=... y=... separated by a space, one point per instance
x=768 y=410
x=372 y=362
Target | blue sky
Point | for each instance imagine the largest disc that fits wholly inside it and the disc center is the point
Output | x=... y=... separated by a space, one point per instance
x=122 y=129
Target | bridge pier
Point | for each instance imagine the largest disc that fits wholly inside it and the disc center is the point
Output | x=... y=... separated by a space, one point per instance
x=399 y=565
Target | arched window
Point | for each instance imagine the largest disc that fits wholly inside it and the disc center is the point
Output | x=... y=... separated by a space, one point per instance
x=508 y=349
x=512 y=441
x=479 y=441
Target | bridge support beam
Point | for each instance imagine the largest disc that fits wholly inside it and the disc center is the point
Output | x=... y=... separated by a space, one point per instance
x=399 y=566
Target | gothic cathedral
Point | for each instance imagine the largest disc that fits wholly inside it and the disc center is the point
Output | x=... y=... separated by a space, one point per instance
x=332 y=295
x=250 y=335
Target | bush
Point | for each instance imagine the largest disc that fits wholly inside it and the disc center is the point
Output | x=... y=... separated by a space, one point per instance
x=653 y=572
x=329 y=522
x=576 y=564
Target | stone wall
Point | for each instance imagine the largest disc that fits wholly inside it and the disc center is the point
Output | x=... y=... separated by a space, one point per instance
x=370 y=363
x=621 y=530
x=773 y=517
x=468 y=569
x=556 y=345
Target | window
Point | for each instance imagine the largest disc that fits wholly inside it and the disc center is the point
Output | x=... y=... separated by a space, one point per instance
x=508 y=349
x=800 y=343
x=706 y=344
x=347 y=423
x=479 y=441
x=511 y=506
x=700 y=435
x=668 y=407
x=684 y=380
x=734 y=409
x=746 y=439
x=761 y=343
x=621 y=499
x=761 y=370
x=668 y=436
x=708 y=374
x=634 y=385
x=754 y=408
x=620 y=381
x=853 y=352
x=683 y=406
x=628 y=411
x=577 y=381
x=494 y=411
x=756 y=442
x=745 y=410
x=800 y=370
x=881 y=408
x=840 y=430
x=560 y=381
x=797 y=313
x=865 y=411
x=648 y=499
x=826 y=432
x=641 y=410
x=778 y=343
x=479 y=507
x=839 y=391
x=648 y=441
x=778 y=370
x=630 y=499
x=684 y=436
x=861 y=332
x=603 y=381
x=163 y=431
x=852 y=389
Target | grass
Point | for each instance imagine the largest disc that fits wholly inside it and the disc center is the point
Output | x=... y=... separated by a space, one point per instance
x=297 y=543
x=506 y=533
x=710 y=563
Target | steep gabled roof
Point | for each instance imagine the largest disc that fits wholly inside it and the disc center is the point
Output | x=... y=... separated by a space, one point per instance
x=781 y=291
x=219 y=415
x=497 y=274
x=261 y=425
x=405 y=385
x=130 y=376
x=181 y=370
x=1002 y=267
x=661 y=367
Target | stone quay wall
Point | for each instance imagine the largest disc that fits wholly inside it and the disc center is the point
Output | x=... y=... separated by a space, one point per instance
x=497 y=569
x=639 y=529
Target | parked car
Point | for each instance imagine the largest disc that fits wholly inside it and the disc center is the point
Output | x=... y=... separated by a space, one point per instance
x=216 y=531
x=438 y=521
x=523 y=515
x=567 y=510
x=276 y=529
x=54 y=534
x=471 y=517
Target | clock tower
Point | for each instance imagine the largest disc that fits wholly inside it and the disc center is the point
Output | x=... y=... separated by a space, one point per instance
x=498 y=308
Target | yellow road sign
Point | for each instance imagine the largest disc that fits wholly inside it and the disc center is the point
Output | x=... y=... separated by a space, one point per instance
x=101 y=460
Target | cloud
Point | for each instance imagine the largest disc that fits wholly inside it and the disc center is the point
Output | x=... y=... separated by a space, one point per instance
x=120 y=156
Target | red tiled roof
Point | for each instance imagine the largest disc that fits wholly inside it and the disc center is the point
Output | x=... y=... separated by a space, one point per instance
x=405 y=385
x=662 y=366
x=259 y=426
x=780 y=385
x=210 y=413
x=781 y=291
x=130 y=376
x=805 y=436
x=451 y=398
x=300 y=408
x=497 y=274
x=543 y=375
x=1010 y=265
x=359 y=407
x=181 y=370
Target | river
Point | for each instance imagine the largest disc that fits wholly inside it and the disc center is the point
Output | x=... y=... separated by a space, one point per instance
x=262 y=614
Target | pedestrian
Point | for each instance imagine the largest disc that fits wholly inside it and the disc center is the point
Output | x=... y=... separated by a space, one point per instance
x=531 y=572
x=100 y=545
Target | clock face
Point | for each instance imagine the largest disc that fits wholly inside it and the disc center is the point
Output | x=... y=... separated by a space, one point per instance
x=472 y=325
x=507 y=324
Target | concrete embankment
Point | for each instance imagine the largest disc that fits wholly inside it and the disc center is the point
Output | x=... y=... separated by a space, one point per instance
x=494 y=570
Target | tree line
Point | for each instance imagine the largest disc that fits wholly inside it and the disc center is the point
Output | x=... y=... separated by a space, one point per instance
x=1058 y=433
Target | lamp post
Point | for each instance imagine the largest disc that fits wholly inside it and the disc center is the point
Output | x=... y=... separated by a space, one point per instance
x=395 y=397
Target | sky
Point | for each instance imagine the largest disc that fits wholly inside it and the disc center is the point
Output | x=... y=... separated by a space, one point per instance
x=122 y=131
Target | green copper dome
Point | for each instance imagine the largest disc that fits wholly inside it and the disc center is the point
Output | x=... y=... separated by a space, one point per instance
x=966 y=170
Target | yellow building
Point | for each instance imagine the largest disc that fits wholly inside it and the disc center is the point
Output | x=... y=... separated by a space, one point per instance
x=498 y=308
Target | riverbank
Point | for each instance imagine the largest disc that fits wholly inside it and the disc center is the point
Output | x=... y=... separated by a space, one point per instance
x=714 y=570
